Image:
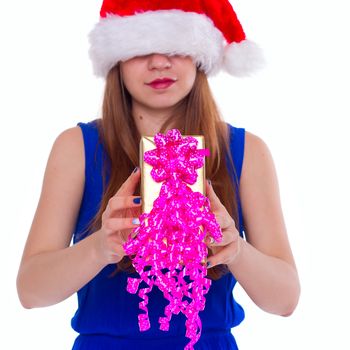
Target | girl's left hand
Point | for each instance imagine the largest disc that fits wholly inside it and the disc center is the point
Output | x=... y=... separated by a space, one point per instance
x=226 y=251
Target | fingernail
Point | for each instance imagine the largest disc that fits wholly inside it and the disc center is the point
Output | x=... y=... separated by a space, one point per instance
x=135 y=170
x=135 y=221
x=137 y=200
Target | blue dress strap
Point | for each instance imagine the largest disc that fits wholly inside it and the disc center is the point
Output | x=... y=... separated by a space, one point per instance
x=237 y=141
x=92 y=147
x=93 y=188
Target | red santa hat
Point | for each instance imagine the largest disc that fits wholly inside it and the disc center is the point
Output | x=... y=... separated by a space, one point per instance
x=207 y=30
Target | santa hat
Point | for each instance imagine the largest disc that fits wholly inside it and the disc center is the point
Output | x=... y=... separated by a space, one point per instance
x=207 y=30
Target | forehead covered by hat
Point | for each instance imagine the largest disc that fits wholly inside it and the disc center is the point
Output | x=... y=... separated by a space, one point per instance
x=207 y=30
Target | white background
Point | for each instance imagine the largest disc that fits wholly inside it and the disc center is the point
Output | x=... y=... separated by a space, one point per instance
x=299 y=105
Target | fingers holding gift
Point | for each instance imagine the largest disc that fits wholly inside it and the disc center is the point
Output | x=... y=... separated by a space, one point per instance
x=226 y=255
x=117 y=203
x=113 y=225
x=228 y=236
x=125 y=198
x=209 y=240
x=218 y=209
x=224 y=219
x=110 y=238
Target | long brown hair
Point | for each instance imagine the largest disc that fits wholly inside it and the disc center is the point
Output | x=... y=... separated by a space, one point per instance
x=196 y=114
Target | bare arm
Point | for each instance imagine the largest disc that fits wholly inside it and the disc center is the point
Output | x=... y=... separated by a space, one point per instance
x=51 y=270
x=264 y=265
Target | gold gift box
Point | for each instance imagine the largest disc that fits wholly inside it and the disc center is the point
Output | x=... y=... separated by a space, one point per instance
x=149 y=188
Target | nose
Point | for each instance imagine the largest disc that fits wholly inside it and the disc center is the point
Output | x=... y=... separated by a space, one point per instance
x=159 y=61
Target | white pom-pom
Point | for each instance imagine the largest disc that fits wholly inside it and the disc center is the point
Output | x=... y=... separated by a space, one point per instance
x=243 y=59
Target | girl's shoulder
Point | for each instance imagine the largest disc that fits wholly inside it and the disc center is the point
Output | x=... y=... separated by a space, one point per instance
x=68 y=139
x=258 y=163
x=248 y=140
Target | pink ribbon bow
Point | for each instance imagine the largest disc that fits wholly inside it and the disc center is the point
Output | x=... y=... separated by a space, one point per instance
x=169 y=243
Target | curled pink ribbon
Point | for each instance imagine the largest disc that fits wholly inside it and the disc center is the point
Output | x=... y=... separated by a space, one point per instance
x=168 y=250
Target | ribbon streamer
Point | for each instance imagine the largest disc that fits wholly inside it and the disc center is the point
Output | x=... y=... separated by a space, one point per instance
x=168 y=250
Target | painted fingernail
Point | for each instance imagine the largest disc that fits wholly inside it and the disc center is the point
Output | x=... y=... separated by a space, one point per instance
x=135 y=221
x=137 y=200
x=135 y=170
x=209 y=240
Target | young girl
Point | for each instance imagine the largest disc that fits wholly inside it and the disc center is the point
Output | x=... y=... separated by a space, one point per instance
x=156 y=57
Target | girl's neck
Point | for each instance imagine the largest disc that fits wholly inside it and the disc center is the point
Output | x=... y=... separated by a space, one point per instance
x=149 y=122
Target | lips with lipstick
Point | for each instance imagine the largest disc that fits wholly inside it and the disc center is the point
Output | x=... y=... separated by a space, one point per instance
x=162 y=83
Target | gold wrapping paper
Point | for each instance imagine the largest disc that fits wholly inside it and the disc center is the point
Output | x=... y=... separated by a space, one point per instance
x=149 y=188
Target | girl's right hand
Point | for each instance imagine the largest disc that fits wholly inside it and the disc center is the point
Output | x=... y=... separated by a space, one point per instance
x=117 y=221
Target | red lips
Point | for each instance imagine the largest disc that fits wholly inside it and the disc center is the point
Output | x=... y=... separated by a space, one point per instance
x=162 y=83
x=162 y=80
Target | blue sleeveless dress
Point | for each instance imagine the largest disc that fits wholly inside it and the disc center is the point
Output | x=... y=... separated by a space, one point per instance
x=106 y=317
